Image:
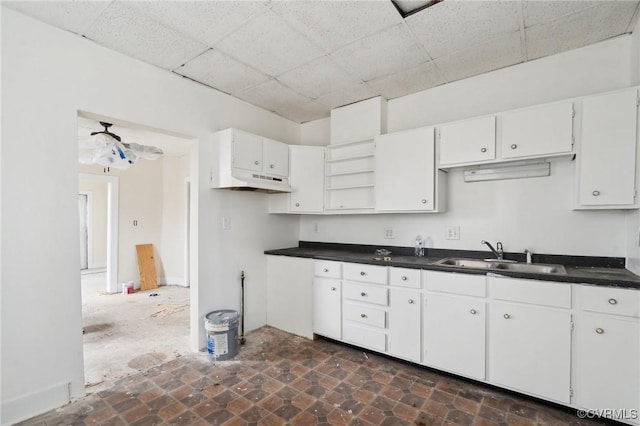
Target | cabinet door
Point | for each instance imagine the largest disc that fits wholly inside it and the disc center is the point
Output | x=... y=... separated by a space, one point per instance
x=607 y=155
x=327 y=312
x=468 y=141
x=247 y=151
x=290 y=294
x=306 y=179
x=404 y=324
x=538 y=131
x=454 y=334
x=276 y=157
x=405 y=171
x=530 y=349
x=607 y=370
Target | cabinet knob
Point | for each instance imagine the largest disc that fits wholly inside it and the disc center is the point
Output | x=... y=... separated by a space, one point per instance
x=363 y=315
x=325 y=270
x=333 y=289
x=363 y=294
x=424 y=201
x=483 y=149
x=410 y=301
x=297 y=204
x=256 y=162
x=473 y=312
x=404 y=278
x=595 y=193
x=363 y=273
x=613 y=302
x=514 y=146
x=271 y=166
x=506 y=316
x=599 y=330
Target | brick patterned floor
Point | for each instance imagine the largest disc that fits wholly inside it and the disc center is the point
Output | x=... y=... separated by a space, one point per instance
x=281 y=379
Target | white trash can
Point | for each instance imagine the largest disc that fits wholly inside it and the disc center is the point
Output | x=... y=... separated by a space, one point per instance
x=222 y=334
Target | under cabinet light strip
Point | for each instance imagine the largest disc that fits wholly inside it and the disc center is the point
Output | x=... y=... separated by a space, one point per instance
x=507 y=172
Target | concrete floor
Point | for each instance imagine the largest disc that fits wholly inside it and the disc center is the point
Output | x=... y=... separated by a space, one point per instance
x=127 y=334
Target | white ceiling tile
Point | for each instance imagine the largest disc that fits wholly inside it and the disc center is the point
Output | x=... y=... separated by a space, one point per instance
x=347 y=96
x=384 y=53
x=73 y=16
x=422 y=77
x=125 y=30
x=492 y=55
x=318 y=78
x=333 y=24
x=273 y=96
x=216 y=69
x=267 y=43
x=305 y=112
x=451 y=26
x=579 y=29
x=538 y=12
x=205 y=21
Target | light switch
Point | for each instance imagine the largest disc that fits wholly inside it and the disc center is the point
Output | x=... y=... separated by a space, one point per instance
x=226 y=223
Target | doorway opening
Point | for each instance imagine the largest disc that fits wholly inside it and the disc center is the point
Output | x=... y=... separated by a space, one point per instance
x=148 y=203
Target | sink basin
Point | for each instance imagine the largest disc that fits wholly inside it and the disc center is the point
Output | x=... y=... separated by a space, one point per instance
x=497 y=265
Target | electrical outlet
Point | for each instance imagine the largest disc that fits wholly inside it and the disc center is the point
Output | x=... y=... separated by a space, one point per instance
x=453 y=233
x=226 y=223
x=388 y=234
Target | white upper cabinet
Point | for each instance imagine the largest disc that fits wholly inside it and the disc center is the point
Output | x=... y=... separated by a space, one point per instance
x=607 y=153
x=275 y=156
x=359 y=121
x=538 y=131
x=247 y=151
x=468 y=141
x=405 y=171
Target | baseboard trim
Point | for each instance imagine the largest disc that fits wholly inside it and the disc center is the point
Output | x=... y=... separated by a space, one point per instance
x=35 y=403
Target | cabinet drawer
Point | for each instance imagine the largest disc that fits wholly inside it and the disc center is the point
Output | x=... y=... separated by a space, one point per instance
x=365 y=315
x=366 y=293
x=365 y=337
x=448 y=282
x=405 y=277
x=530 y=291
x=327 y=269
x=367 y=273
x=609 y=300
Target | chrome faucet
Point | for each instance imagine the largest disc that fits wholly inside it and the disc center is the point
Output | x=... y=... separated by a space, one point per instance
x=499 y=253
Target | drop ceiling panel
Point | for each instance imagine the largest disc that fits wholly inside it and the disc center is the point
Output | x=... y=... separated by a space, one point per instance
x=302 y=113
x=318 y=78
x=347 y=96
x=333 y=24
x=269 y=44
x=71 y=16
x=422 y=77
x=384 y=53
x=538 y=12
x=489 y=56
x=452 y=26
x=580 y=29
x=218 y=70
x=205 y=21
x=273 y=96
x=126 y=30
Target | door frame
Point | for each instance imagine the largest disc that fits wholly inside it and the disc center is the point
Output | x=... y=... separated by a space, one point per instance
x=89 y=222
x=112 y=226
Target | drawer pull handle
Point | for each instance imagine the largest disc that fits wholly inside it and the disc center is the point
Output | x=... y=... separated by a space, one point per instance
x=506 y=316
x=333 y=289
x=410 y=301
x=514 y=146
x=271 y=166
x=297 y=204
x=363 y=315
x=613 y=302
x=363 y=294
x=483 y=150
x=404 y=278
x=424 y=201
x=473 y=312
x=363 y=273
x=326 y=270
x=595 y=193
x=256 y=162
x=599 y=330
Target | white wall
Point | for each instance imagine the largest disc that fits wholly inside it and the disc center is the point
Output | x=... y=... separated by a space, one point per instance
x=175 y=171
x=48 y=75
x=524 y=213
x=635 y=53
x=98 y=249
x=316 y=132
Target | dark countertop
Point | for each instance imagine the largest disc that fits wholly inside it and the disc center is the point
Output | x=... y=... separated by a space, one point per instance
x=580 y=269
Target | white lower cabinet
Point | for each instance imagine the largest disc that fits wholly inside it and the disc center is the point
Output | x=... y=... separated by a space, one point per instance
x=327 y=310
x=404 y=324
x=454 y=334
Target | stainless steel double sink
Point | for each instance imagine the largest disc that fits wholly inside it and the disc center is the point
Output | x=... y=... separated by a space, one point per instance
x=501 y=265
